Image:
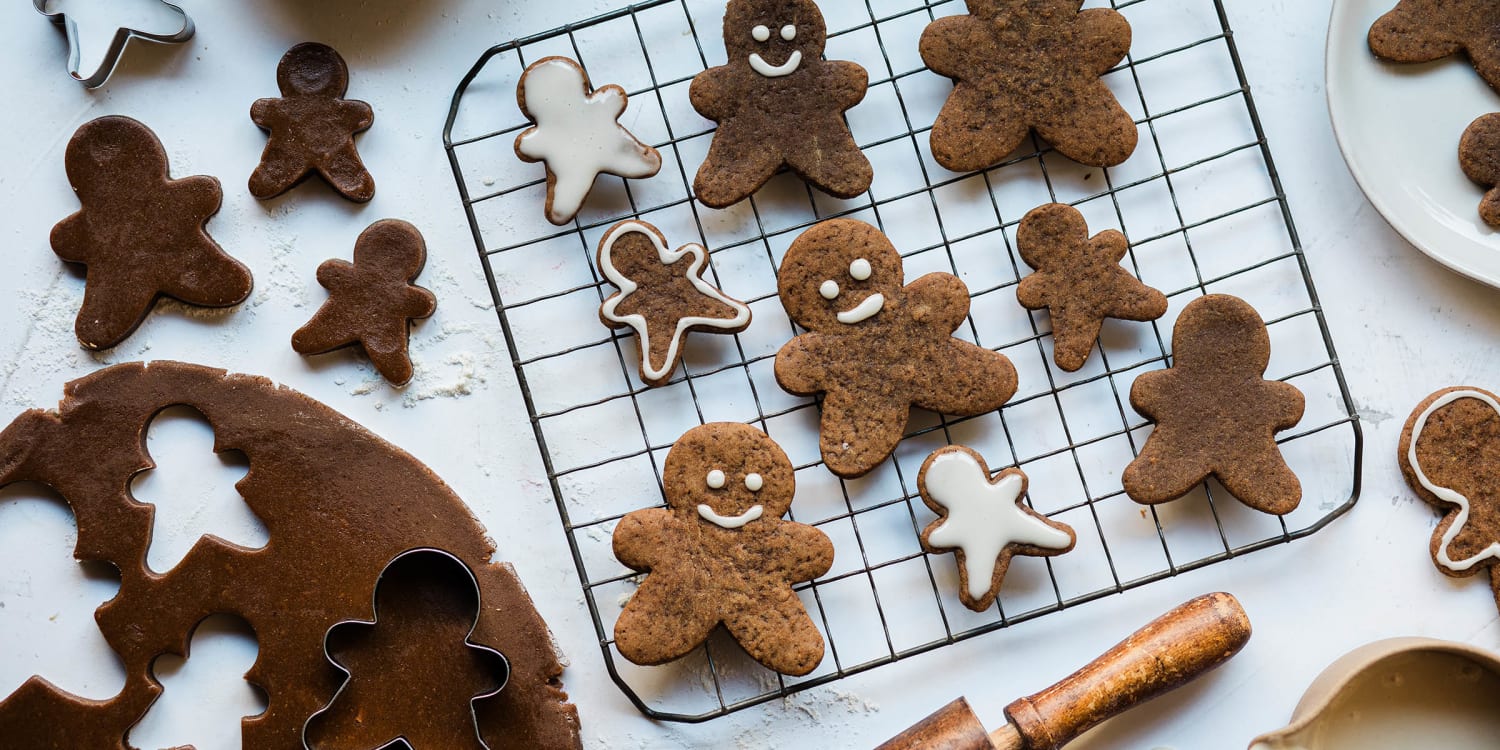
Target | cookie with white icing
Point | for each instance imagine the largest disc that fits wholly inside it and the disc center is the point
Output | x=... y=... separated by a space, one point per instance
x=720 y=554
x=663 y=296
x=983 y=521
x=1450 y=455
x=577 y=134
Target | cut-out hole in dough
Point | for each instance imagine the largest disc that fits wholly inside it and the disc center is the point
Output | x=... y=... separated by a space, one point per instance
x=47 y=599
x=193 y=489
x=204 y=697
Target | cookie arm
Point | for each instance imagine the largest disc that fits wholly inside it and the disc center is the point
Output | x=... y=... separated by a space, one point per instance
x=811 y=555
x=260 y=112
x=1104 y=35
x=1288 y=403
x=706 y=93
x=939 y=300
x=801 y=365
x=947 y=43
x=641 y=537
x=1402 y=36
x=848 y=83
x=357 y=115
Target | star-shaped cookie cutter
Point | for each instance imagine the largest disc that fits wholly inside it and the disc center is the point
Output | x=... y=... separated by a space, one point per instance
x=121 y=37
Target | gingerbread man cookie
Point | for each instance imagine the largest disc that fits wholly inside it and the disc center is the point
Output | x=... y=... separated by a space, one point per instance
x=372 y=301
x=312 y=127
x=875 y=348
x=1019 y=65
x=1450 y=454
x=721 y=554
x=578 y=135
x=140 y=233
x=1418 y=31
x=663 y=296
x=983 y=521
x=1214 y=413
x=778 y=104
x=1479 y=156
x=1079 y=281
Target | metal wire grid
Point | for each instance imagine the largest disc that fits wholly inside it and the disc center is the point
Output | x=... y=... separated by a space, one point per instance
x=727 y=680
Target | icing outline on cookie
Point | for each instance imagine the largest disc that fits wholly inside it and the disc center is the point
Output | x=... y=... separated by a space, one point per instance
x=730 y=522
x=1447 y=494
x=759 y=65
x=628 y=287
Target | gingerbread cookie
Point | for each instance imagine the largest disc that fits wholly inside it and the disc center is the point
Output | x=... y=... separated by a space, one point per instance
x=779 y=104
x=875 y=348
x=1079 y=281
x=312 y=127
x=1418 y=31
x=1479 y=156
x=663 y=296
x=721 y=554
x=1019 y=65
x=1214 y=414
x=372 y=301
x=578 y=135
x=1450 y=454
x=141 y=233
x=983 y=521
x=338 y=503
x=426 y=607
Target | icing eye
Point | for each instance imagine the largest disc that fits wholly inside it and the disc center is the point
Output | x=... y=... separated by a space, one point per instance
x=715 y=479
x=829 y=289
x=753 y=482
x=860 y=269
x=789 y=32
x=761 y=33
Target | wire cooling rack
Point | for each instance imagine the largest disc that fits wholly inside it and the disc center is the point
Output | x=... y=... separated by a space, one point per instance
x=1200 y=202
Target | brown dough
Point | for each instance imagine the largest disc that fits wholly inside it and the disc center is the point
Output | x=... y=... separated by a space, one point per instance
x=1214 y=414
x=1079 y=281
x=899 y=353
x=1024 y=64
x=339 y=504
x=706 y=573
x=1479 y=157
x=372 y=302
x=312 y=127
x=141 y=233
x=1418 y=31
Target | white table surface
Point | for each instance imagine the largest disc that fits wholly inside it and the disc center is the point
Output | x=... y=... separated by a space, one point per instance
x=1404 y=327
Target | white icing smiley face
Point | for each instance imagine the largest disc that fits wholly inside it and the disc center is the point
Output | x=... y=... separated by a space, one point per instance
x=716 y=480
x=762 y=34
x=869 y=307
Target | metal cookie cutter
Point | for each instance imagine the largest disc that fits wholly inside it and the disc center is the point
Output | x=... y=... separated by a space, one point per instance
x=451 y=565
x=102 y=65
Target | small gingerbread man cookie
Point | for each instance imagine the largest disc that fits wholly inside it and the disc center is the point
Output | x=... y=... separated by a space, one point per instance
x=1479 y=156
x=372 y=301
x=312 y=127
x=875 y=348
x=983 y=521
x=1079 y=281
x=1214 y=414
x=1019 y=65
x=577 y=135
x=779 y=104
x=1450 y=455
x=1418 y=31
x=721 y=554
x=663 y=296
x=141 y=233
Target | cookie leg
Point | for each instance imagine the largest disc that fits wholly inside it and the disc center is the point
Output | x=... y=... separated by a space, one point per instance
x=1264 y=482
x=1096 y=131
x=833 y=164
x=973 y=132
x=1489 y=208
x=1156 y=476
x=779 y=634
x=348 y=175
x=1073 y=338
x=858 y=431
x=278 y=172
x=217 y=281
x=394 y=366
x=974 y=380
x=111 y=311
x=737 y=165
x=659 y=624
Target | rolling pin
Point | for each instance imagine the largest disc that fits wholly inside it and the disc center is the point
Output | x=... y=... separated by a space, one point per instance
x=1170 y=651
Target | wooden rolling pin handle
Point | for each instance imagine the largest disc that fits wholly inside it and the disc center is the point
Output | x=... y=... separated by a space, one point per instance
x=1170 y=651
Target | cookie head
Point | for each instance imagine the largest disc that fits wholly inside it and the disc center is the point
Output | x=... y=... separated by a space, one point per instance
x=113 y=150
x=729 y=475
x=312 y=69
x=838 y=274
x=774 y=37
x=394 y=245
x=1227 y=334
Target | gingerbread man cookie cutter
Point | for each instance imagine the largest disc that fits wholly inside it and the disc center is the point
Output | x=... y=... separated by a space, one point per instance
x=452 y=563
x=106 y=62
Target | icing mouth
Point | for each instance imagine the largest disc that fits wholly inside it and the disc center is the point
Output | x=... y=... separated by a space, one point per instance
x=730 y=522
x=759 y=65
x=868 y=308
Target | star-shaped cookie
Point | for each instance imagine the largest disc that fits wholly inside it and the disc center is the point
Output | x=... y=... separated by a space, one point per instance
x=1079 y=280
x=663 y=295
x=577 y=135
x=983 y=521
x=1418 y=31
x=97 y=33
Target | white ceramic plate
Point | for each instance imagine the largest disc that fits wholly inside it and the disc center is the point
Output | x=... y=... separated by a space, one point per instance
x=1398 y=127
